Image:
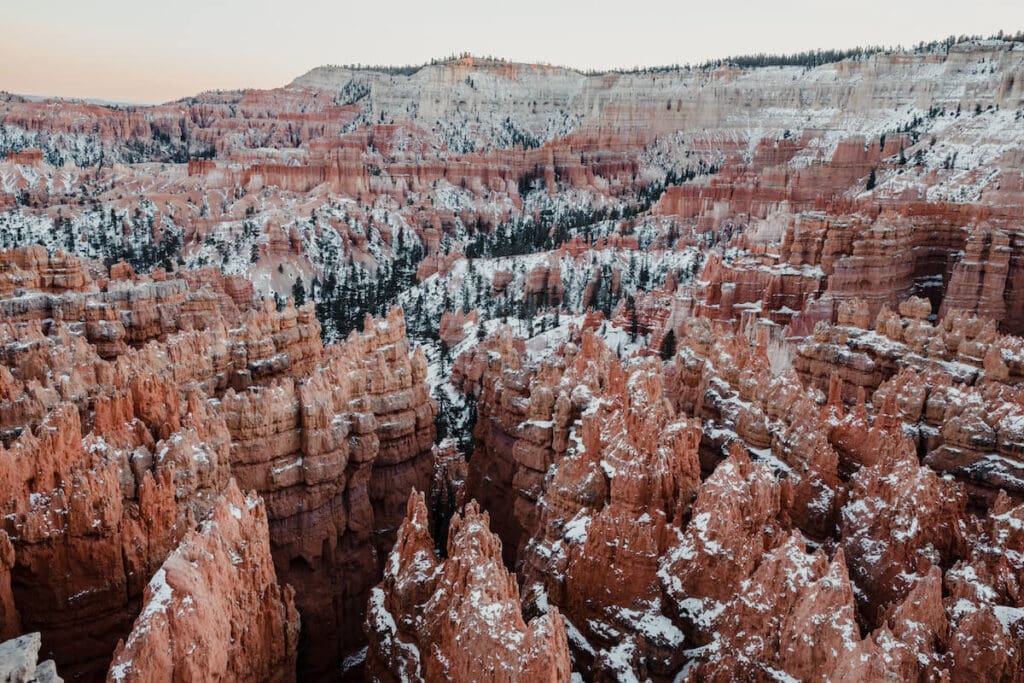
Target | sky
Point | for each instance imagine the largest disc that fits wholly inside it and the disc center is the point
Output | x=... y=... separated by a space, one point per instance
x=147 y=52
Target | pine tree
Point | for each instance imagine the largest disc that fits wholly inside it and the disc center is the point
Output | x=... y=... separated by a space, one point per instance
x=871 y=180
x=299 y=291
x=668 y=346
x=634 y=324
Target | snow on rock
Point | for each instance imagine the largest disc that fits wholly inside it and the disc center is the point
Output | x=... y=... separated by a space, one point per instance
x=464 y=610
x=214 y=609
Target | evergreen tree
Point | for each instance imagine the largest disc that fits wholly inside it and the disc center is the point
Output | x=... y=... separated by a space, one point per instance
x=668 y=346
x=299 y=291
x=634 y=324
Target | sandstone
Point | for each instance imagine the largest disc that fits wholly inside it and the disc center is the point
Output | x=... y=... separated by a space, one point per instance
x=214 y=609
x=464 y=610
x=750 y=406
x=9 y=622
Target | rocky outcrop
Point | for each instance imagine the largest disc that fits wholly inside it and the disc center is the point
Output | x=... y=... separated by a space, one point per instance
x=82 y=552
x=841 y=539
x=116 y=443
x=951 y=387
x=33 y=268
x=983 y=602
x=19 y=662
x=504 y=398
x=333 y=454
x=629 y=471
x=452 y=326
x=10 y=625
x=458 y=618
x=901 y=519
x=214 y=609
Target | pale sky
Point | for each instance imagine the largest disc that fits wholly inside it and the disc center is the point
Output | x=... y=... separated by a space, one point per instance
x=144 y=51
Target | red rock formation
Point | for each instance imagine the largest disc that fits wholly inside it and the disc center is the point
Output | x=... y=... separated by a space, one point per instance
x=33 y=268
x=459 y=618
x=604 y=522
x=984 y=600
x=901 y=519
x=10 y=625
x=452 y=328
x=25 y=156
x=82 y=553
x=502 y=402
x=214 y=609
x=899 y=528
x=978 y=282
x=109 y=461
x=803 y=450
x=543 y=287
x=333 y=455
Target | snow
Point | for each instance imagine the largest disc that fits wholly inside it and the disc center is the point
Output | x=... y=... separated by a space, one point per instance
x=699 y=525
x=654 y=626
x=903 y=535
x=619 y=660
x=765 y=455
x=160 y=595
x=119 y=671
x=199 y=454
x=576 y=638
x=1008 y=617
x=354 y=660
x=963 y=607
x=703 y=613
x=576 y=529
x=294 y=464
x=387 y=629
x=779 y=675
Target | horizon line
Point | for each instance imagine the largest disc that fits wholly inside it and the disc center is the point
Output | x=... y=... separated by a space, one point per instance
x=837 y=54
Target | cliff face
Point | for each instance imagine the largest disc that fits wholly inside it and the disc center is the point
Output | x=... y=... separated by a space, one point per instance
x=215 y=594
x=9 y=622
x=123 y=420
x=334 y=454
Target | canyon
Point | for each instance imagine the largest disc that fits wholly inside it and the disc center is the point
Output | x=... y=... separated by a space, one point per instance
x=498 y=371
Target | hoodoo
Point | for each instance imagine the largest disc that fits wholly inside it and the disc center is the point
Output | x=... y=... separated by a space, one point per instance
x=485 y=370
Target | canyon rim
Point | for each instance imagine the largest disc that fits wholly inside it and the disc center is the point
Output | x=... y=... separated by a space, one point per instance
x=484 y=370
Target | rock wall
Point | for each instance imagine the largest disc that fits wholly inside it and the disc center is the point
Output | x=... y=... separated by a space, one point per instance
x=123 y=419
x=333 y=454
x=214 y=609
